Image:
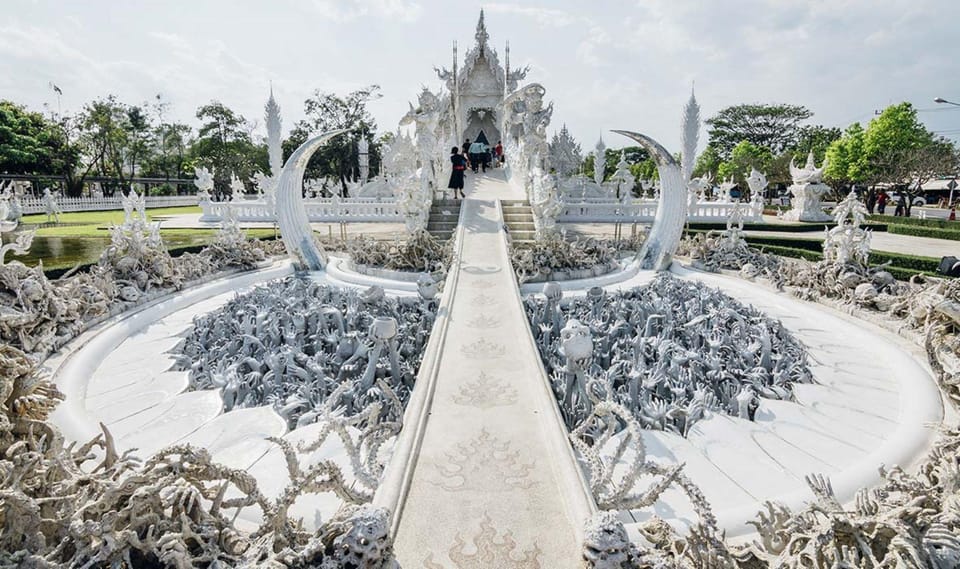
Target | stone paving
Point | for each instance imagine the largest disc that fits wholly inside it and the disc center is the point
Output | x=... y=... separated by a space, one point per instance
x=494 y=483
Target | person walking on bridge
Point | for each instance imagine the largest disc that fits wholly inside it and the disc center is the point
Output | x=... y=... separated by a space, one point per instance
x=476 y=155
x=456 y=176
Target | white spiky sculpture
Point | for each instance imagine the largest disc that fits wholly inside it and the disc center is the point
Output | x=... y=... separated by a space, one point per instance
x=690 y=137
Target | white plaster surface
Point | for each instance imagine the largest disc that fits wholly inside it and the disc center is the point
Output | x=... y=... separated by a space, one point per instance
x=119 y=374
x=874 y=403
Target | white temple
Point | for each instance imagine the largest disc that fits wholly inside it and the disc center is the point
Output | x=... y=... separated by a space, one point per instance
x=472 y=106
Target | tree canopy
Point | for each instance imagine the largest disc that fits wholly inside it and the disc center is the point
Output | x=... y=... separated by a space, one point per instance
x=30 y=143
x=329 y=111
x=224 y=144
x=773 y=126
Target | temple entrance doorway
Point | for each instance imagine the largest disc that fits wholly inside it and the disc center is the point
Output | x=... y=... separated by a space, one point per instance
x=482 y=124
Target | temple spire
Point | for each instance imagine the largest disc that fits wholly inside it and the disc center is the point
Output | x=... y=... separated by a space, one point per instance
x=506 y=73
x=481 y=35
x=274 y=125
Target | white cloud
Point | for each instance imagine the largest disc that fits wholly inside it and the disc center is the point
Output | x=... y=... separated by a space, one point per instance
x=350 y=10
x=605 y=65
x=545 y=17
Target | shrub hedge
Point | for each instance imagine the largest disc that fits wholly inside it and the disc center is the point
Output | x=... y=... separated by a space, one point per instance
x=938 y=223
x=780 y=227
x=920 y=231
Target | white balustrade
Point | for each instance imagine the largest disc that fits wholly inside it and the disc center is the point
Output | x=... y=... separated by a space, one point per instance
x=319 y=209
x=37 y=205
x=602 y=210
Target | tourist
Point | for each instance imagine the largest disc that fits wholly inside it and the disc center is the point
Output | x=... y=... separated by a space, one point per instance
x=882 y=201
x=901 y=206
x=476 y=155
x=456 y=176
x=498 y=151
x=466 y=152
x=871 y=200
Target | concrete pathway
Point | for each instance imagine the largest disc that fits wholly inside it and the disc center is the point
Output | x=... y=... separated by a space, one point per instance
x=494 y=483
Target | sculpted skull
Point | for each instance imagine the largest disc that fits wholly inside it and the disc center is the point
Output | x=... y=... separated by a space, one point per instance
x=373 y=295
x=427 y=287
x=865 y=293
x=383 y=328
x=748 y=271
x=606 y=545
x=366 y=542
x=552 y=291
x=576 y=341
x=129 y=293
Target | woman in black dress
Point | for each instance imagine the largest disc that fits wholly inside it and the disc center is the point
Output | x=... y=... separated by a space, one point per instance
x=456 y=176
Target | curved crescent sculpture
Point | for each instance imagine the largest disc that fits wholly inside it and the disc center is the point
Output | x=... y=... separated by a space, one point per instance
x=291 y=213
x=664 y=238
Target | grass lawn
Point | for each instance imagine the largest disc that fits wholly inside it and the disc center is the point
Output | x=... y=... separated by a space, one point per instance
x=95 y=223
x=85 y=234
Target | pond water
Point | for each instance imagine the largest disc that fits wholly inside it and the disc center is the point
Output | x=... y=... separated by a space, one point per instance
x=67 y=252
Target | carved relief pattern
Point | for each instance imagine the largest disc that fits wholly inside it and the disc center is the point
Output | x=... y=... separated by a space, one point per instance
x=484 y=321
x=484 y=464
x=485 y=393
x=491 y=551
x=483 y=300
x=483 y=349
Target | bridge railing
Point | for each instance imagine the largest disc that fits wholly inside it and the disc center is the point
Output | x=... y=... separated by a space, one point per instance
x=319 y=209
x=599 y=210
x=67 y=204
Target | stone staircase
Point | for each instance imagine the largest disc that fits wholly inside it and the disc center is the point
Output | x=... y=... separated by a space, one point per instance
x=519 y=219
x=444 y=217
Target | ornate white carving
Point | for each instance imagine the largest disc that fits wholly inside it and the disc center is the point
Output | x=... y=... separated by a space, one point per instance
x=725 y=188
x=757 y=182
x=291 y=213
x=689 y=138
x=204 y=183
x=623 y=179
x=50 y=206
x=667 y=229
x=565 y=155
x=848 y=242
x=807 y=191
x=599 y=161
x=544 y=202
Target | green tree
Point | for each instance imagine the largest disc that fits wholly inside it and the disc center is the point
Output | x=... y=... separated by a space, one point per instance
x=816 y=139
x=895 y=148
x=745 y=156
x=329 y=111
x=111 y=135
x=633 y=154
x=776 y=127
x=30 y=143
x=846 y=161
x=224 y=144
x=708 y=162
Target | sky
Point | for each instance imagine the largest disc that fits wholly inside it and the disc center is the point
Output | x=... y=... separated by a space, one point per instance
x=605 y=64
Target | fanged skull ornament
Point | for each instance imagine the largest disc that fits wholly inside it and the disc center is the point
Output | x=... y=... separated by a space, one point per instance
x=606 y=544
x=576 y=341
x=366 y=542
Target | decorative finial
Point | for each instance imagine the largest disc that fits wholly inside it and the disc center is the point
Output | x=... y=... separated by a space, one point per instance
x=481 y=35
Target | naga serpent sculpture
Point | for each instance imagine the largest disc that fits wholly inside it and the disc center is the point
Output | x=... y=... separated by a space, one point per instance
x=664 y=237
x=292 y=214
